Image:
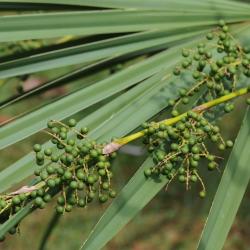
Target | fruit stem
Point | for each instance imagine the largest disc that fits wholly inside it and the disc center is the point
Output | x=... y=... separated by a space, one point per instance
x=117 y=143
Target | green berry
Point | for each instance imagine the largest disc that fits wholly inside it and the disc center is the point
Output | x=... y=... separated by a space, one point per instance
x=194 y=163
x=160 y=155
x=91 y=179
x=47 y=198
x=105 y=186
x=214 y=138
x=44 y=175
x=202 y=194
x=185 y=149
x=55 y=130
x=197 y=57
x=185 y=64
x=84 y=150
x=51 y=183
x=181 y=178
x=84 y=130
x=196 y=157
x=72 y=200
x=212 y=165
x=191 y=141
x=50 y=170
x=60 y=200
x=193 y=178
x=221 y=146
x=67 y=175
x=171 y=103
x=210 y=36
x=68 y=208
x=33 y=194
x=201 y=51
x=102 y=172
x=22 y=197
x=54 y=158
x=195 y=149
x=16 y=200
x=216 y=129
x=40 y=192
x=210 y=157
x=225 y=28
x=103 y=198
x=112 y=194
x=69 y=158
x=39 y=156
x=71 y=142
x=174 y=146
x=81 y=203
x=50 y=124
x=196 y=74
x=68 y=149
x=229 y=144
x=48 y=152
x=80 y=186
x=214 y=67
x=38 y=201
x=222 y=36
x=37 y=148
x=2 y=204
x=185 y=53
x=248 y=101
x=147 y=172
x=73 y=184
x=91 y=195
x=207 y=128
x=72 y=122
x=176 y=71
x=63 y=135
x=181 y=170
x=175 y=113
x=59 y=209
x=60 y=171
x=80 y=175
x=93 y=153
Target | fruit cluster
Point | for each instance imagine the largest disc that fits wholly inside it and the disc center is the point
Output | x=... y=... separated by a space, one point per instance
x=178 y=149
x=75 y=168
x=215 y=66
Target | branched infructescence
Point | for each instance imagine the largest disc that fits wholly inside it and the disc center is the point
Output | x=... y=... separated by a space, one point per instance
x=178 y=149
x=214 y=66
x=78 y=169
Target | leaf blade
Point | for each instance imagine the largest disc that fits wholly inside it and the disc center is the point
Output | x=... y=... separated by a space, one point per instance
x=230 y=192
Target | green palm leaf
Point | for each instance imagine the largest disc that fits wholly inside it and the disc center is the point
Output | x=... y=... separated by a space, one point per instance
x=230 y=192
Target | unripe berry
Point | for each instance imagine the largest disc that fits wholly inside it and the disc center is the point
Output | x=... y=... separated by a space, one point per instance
x=202 y=194
x=147 y=172
x=37 y=148
x=72 y=122
x=73 y=184
x=59 y=209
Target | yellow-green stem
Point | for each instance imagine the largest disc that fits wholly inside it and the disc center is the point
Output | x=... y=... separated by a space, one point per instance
x=198 y=109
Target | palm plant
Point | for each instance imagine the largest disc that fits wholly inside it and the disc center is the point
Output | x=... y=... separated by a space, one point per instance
x=124 y=52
